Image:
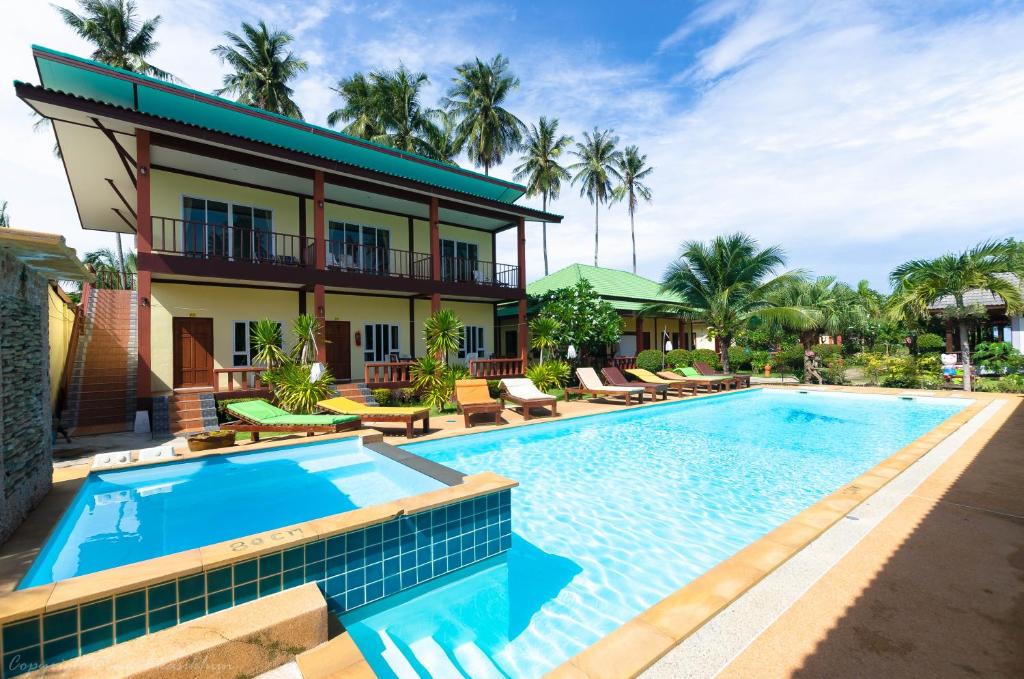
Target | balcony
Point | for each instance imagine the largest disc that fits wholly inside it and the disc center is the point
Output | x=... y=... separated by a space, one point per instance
x=222 y=241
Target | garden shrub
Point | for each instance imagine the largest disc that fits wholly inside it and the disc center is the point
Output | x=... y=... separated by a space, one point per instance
x=901 y=372
x=790 y=359
x=678 y=357
x=650 y=359
x=494 y=388
x=549 y=375
x=739 y=358
x=709 y=356
x=758 y=360
x=382 y=396
x=827 y=352
x=834 y=370
x=930 y=342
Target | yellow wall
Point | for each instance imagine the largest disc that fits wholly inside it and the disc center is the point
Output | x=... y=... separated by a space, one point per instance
x=421 y=237
x=396 y=225
x=62 y=320
x=470 y=313
x=359 y=310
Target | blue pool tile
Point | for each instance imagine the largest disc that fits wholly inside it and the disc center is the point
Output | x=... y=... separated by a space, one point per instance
x=218 y=579
x=374 y=535
x=191 y=587
x=129 y=605
x=408 y=560
x=408 y=578
x=97 y=638
x=479 y=505
x=374 y=553
x=422 y=555
x=335 y=546
x=245 y=571
x=374 y=591
x=391 y=567
x=162 y=595
x=423 y=538
x=492 y=532
x=162 y=618
x=335 y=566
x=21 y=634
x=355 y=597
x=130 y=628
x=424 y=572
x=355 y=578
x=480 y=551
x=454 y=561
x=390 y=548
x=440 y=549
x=292 y=578
x=190 y=610
x=407 y=543
x=97 y=613
x=355 y=560
x=439 y=517
x=505 y=542
x=270 y=585
x=335 y=587
x=375 y=572
x=467 y=556
x=392 y=585
x=408 y=525
x=315 y=571
x=60 y=650
x=293 y=558
x=60 y=624
x=218 y=601
x=422 y=522
x=355 y=540
x=453 y=513
x=20 y=662
x=246 y=592
x=453 y=545
x=390 y=530
x=315 y=551
x=270 y=564
x=439 y=567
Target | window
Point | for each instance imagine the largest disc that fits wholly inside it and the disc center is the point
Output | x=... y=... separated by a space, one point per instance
x=243 y=352
x=206 y=229
x=379 y=340
x=472 y=343
x=459 y=260
x=362 y=248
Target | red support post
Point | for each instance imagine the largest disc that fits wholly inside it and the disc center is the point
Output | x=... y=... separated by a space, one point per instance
x=640 y=344
x=683 y=338
x=319 y=306
x=435 y=241
x=318 y=220
x=523 y=329
x=143 y=243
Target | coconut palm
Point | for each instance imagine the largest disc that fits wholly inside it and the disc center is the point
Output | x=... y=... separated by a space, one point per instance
x=539 y=167
x=993 y=267
x=827 y=305
x=727 y=283
x=476 y=99
x=5 y=216
x=633 y=168
x=108 y=269
x=442 y=138
x=361 y=109
x=262 y=67
x=544 y=334
x=597 y=169
x=119 y=38
x=407 y=124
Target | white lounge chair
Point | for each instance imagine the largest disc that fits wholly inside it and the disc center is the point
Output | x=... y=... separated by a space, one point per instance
x=591 y=384
x=525 y=394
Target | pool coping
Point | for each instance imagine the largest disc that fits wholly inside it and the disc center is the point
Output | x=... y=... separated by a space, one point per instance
x=636 y=645
x=82 y=589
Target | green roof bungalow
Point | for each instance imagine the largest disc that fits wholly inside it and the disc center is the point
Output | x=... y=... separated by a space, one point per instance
x=239 y=214
x=629 y=294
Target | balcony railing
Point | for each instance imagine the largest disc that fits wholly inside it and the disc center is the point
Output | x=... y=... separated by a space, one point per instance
x=245 y=378
x=223 y=241
x=377 y=260
x=496 y=368
x=388 y=375
x=468 y=270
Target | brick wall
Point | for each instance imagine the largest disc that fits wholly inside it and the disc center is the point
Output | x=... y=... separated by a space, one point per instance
x=25 y=415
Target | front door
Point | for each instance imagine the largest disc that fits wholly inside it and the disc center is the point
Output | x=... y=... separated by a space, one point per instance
x=193 y=352
x=339 y=349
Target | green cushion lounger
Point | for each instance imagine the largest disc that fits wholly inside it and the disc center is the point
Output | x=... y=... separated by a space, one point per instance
x=259 y=416
x=716 y=381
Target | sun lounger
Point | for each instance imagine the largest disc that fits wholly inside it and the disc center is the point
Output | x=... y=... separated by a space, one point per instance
x=472 y=397
x=525 y=394
x=615 y=377
x=258 y=416
x=407 y=416
x=718 y=382
x=678 y=383
x=590 y=384
x=740 y=381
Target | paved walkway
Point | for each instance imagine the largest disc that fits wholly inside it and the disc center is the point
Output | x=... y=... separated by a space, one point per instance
x=936 y=590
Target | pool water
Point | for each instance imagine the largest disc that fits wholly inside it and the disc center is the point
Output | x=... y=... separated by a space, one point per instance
x=120 y=517
x=616 y=511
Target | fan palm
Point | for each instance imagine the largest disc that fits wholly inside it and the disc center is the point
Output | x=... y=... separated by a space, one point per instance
x=993 y=267
x=539 y=167
x=595 y=171
x=476 y=99
x=728 y=283
x=633 y=168
x=442 y=333
x=544 y=334
x=263 y=66
x=115 y=31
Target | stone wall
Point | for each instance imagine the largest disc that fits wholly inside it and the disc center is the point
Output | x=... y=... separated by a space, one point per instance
x=26 y=454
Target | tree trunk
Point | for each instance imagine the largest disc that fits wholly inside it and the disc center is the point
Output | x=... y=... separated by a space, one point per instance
x=724 y=344
x=596 y=205
x=544 y=234
x=120 y=264
x=965 y=354
x=632 y=234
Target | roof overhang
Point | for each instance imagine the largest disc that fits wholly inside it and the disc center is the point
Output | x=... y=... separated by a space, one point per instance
x=47 y=253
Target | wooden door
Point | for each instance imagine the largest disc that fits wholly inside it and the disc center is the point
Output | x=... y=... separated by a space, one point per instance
x=339 y=349
x=193 y=352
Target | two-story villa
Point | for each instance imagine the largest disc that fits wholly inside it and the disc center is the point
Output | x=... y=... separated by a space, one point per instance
x=239 y=214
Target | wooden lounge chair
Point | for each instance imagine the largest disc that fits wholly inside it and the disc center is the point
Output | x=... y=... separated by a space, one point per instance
x=615 y=377
x=259 y=416
x=472 y=397
x=678 y=383
x=525 y=394
x=741 y=381
x=590 y=384
x=366 y=414
x=719 y=382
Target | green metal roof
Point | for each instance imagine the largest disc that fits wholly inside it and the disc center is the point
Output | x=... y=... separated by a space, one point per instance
x=623 y=290
x=98 y=82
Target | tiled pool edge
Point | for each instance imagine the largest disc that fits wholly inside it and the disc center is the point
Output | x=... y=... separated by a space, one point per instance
x=355 y=557
x=637 y=644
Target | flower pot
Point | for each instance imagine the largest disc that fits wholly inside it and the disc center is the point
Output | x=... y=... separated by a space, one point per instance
x=210 y=440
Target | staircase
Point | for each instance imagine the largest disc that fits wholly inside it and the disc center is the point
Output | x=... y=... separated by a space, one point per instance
x=185 y=412
x=357 y=392
x=101 y=394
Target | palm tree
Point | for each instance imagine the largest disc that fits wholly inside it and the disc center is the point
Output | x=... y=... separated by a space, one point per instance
x=108 y=269
x=728 y=283
x=632 y=165
x=361 y=109
x=597 y=168
x=407 y=126
x=993 y=267
x=263 y=66
x=476 y=99
x=442 y=138
x=544 y=334
x=539 y=167
x=5 y=216
x=828 y=307
x=442 y=334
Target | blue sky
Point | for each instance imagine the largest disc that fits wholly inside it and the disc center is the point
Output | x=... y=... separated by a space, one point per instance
x=855 y=134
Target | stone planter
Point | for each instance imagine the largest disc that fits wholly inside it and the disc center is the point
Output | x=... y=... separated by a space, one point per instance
x=210 y=440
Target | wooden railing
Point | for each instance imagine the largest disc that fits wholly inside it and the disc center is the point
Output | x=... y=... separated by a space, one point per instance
x=223 y=241
x=496 y=368
x=388 y=375
x=622 y=362
x=243 y=378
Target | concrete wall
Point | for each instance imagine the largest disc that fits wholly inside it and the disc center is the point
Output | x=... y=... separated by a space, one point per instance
x=26 y=455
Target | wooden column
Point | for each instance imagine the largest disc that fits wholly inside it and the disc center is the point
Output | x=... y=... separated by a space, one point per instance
x=640 y=334
x=318 y=220
x=683 y=339
x=435 y=254
x=949 y=336
x=522 y=332
x=320 y=308
x=302 y=231
x=144 y=243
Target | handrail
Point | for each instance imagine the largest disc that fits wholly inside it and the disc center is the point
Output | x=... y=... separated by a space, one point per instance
x=388 y=375
x=77 y=326
x=492 y=368
x=377 y=260
x=250 y=378
x=480 y=272
x=224 y=241
x=622 y=362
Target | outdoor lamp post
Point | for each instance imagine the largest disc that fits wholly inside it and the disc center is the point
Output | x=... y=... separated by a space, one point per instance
x=664 y=356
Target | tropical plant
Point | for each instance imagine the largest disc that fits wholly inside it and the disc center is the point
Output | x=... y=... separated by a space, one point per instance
x=651 y=359
x=633 y=168
x=596 y=170
x=112 y=271
x=267 y=342
x=540 y=170
x=585 y=321
x=999 y=357
x=549 y=376
x=930 y=342
x=442 y=334
x=306 y=329
x=827 y=307
x=383 y=397
x=427 y=375
x=727 y=284
x=442 y=140
x=296 y=390
x=361 y=109
x=543 y=331
x=5 y=216
x=946 y=281
x=118 y=37
x=477 y=99
x=262 y=68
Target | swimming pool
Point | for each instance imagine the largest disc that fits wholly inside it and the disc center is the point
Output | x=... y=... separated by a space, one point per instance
x=124 y=516
x=616 y=511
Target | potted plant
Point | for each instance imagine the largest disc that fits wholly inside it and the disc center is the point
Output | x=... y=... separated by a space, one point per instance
x=210 y=440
